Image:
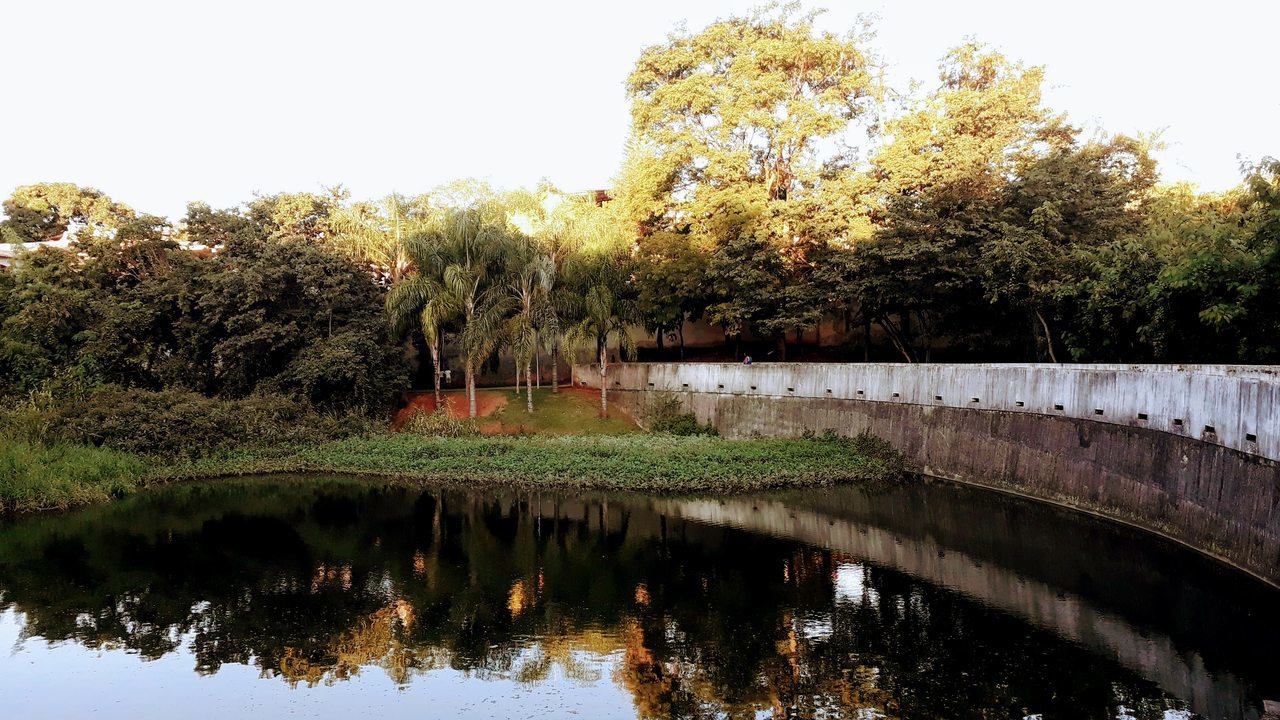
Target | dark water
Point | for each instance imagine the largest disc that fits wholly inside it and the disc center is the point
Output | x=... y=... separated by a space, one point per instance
x=345 y=599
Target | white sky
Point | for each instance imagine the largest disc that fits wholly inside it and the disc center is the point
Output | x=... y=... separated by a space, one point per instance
x=161 y=103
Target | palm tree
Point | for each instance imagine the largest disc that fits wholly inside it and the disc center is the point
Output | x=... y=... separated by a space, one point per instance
x=378 y=234
x=459 y=263
x=421 y=298
x=530 y=279
x=606 y=316
x=562 y=227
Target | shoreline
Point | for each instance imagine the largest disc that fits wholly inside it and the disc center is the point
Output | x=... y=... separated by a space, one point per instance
x=641 y=462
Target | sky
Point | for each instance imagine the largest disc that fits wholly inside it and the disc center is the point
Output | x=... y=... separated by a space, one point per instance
x=162 y=103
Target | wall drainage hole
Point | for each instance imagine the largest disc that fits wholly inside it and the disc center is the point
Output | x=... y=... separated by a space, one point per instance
x=1020 y=404
x=684 y=385
x=1250 y=437
x=1142 y=416
x=973 y=400
x=1097 y=411
x=719 y=387
x=650 y=384
x=753 y=387
x=938 y=398
x=828 y=391
x=1057 y=407
x=1210 y=430
x=896 y=395
x=860 y=392
x=791 y=389
x=1177 y=422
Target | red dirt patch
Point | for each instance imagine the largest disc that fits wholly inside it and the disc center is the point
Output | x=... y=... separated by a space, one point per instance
x=487 y=403
x=490 y=403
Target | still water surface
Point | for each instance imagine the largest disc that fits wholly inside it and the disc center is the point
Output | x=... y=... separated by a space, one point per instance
x=291 y=597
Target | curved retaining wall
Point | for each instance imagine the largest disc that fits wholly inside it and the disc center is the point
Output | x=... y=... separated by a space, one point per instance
x=1191 y=452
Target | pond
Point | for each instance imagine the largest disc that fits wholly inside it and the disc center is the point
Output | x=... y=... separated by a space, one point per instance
x=330 y=597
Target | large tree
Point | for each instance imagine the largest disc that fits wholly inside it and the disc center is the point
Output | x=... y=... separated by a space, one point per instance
x=44 y=211
x=737 y=129
x=941 y=180
x=1064 y=204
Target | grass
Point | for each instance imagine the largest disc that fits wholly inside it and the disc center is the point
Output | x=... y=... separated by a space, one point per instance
x=36 y=478
x=568 y=412
x=33 y=477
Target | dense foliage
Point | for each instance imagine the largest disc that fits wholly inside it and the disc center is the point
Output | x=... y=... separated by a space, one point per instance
x=768 y=188
x=976 y=224
x=264 y=313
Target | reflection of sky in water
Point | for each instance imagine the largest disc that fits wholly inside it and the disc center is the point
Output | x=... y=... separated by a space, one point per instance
x=851 y=584
x=63 y=681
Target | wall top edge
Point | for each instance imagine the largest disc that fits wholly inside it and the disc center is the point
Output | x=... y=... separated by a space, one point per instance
x=1268 y=370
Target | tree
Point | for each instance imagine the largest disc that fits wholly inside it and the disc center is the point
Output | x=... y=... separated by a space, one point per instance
x=1220 y=280
x=570 y=231
x=737 y=129
x=671 y=278
x=942 y=178
x=1061 y=208
x=44 y=211
x=376 y=233
x=607 y=314
x=459 y=276
x=743 y=104
x=530 y=276
x=296 y=216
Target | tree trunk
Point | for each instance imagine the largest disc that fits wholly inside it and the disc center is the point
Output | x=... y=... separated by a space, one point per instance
x=471 y=388
x=435 y=369
x=555 y=365
x=1048 y=338
x=537 y=361
x=682 y=340
x=604 y=388
x=658 y=337
x=894 y=337
x=528 y=387
x=782 y=347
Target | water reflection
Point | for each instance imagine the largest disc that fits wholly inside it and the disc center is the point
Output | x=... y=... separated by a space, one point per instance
x=908 y=602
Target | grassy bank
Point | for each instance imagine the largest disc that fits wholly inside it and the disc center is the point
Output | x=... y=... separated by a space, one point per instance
x=36 y=478
x=33 y=477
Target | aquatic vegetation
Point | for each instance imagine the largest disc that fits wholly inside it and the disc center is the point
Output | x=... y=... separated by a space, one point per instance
x=651 y=462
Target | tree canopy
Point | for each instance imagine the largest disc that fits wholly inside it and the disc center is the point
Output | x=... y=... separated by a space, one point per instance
x=771 y=184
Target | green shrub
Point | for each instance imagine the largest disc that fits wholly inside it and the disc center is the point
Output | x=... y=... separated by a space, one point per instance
x=665 y=414
x=180 y=424
x=440 y=423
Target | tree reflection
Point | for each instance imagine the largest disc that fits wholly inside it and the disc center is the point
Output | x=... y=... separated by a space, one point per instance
x=314 y=582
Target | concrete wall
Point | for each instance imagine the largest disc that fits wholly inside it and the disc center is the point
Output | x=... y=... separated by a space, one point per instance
x=1191 y=452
